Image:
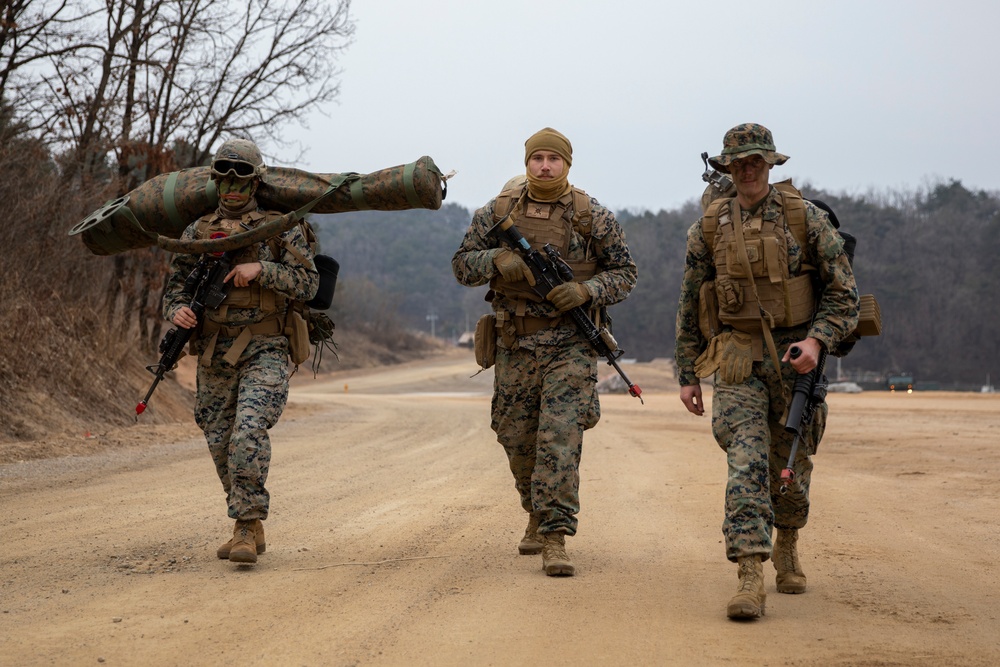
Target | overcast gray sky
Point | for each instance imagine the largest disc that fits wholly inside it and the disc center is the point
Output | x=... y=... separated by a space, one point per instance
x=861 y=95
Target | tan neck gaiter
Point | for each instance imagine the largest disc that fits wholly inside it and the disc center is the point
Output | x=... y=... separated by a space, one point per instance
x=548 y=191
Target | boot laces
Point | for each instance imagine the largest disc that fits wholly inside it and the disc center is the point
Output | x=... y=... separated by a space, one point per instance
x=750 y=580
x=787 y=555
x=554 y=550
x=243 y=531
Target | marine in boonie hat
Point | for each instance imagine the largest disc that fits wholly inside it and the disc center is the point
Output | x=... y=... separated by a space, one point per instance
x=746 y=140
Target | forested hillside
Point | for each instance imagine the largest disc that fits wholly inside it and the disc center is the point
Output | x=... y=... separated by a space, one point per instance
x=930 y=258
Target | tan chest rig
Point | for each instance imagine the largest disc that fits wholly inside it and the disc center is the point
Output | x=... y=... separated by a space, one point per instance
x=271 y=304
x=753 y=291
x=543 y=223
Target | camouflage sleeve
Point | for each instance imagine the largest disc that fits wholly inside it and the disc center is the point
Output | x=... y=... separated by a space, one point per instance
x=618 y=273
x=839 y=303
x=181 y=266
x=472 y=263
x=689 y=341
x=287 y=274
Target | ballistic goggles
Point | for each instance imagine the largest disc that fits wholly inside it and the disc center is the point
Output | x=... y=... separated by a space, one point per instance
x=239 y=168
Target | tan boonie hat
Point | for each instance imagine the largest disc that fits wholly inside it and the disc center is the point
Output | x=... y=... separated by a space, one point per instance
x=746 y=140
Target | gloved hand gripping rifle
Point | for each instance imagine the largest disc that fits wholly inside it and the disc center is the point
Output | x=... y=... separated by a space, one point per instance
x=550 y=271
x=206 y=288
x=808 y=392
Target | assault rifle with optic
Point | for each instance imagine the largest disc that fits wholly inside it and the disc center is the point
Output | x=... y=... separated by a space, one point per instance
x=550 y=271
x=207 y=289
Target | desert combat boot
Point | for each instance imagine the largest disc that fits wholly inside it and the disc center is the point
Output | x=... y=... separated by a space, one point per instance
x=245 y=545
x=790 y=578
x=555 y=562
x=531 y=543
x=750 y=596
x=258 y=528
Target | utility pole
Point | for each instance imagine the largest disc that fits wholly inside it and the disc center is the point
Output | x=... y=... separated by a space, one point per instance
x=433 y=320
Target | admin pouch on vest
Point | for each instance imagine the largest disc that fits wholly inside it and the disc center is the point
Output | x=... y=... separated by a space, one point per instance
x=543 y=223
x=752 y=291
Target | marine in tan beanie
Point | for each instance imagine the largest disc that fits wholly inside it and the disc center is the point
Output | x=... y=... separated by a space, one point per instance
x=548 y=155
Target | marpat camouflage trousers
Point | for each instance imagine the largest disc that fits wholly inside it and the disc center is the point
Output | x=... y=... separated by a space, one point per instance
x=235 y=407
x=746 y=422
x=543 y=400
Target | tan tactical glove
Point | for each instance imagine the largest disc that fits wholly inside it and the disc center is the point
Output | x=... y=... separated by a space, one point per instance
x=568 y=296
x=512 y=267
x=708 y=362
x=737 y=358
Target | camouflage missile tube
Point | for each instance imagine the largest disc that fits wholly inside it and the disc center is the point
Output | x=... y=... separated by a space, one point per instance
x=159 y=210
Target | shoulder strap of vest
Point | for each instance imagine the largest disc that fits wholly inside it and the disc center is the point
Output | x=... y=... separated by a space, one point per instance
x=583 y=219
x=710 y=221
x=794 y=207
x=505 y=202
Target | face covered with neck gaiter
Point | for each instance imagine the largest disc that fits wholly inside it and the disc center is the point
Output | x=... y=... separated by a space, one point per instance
x=548 y=140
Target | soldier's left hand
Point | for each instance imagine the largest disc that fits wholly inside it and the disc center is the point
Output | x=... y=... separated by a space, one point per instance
x=244 y=274
x=568 y=296
x=809 y=357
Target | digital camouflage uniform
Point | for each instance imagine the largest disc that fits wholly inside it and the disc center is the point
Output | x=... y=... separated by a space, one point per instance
x=237 y=403
x=746 y=417
x=545 y=383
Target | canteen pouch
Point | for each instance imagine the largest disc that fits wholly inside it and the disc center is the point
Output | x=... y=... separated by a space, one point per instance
x=297 y=332
x=708 y=311
x=485 y=343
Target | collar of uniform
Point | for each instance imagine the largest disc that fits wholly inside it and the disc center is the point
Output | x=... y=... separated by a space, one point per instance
x=770 y=207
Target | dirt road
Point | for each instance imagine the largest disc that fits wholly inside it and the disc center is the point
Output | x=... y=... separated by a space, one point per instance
x=394 y=522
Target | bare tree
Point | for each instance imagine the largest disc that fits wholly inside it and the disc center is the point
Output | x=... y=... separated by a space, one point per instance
x=127 y=89
x=32 y=34
x=152 y=85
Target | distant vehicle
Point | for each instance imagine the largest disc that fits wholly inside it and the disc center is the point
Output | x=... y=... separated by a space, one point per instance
x=901 y=382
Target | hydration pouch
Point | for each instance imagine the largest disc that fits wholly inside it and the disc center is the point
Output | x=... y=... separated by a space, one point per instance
x=328 y=269
x=486 y=341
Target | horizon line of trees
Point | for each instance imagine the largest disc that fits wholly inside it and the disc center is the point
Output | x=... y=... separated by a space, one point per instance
x=931 y=257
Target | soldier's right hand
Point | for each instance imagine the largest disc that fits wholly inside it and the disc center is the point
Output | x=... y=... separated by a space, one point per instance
x=692 y=400
x=512 y=267
x=185 y=318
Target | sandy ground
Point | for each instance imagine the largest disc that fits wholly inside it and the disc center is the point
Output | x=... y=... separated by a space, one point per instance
x=394 y=522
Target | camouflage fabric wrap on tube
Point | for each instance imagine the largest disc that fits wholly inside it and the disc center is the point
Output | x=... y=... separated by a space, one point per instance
x=164 y=205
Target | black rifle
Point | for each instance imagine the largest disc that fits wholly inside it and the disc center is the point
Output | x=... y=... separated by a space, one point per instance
x=808 y=392
x=206 y=288
x=550 y=271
